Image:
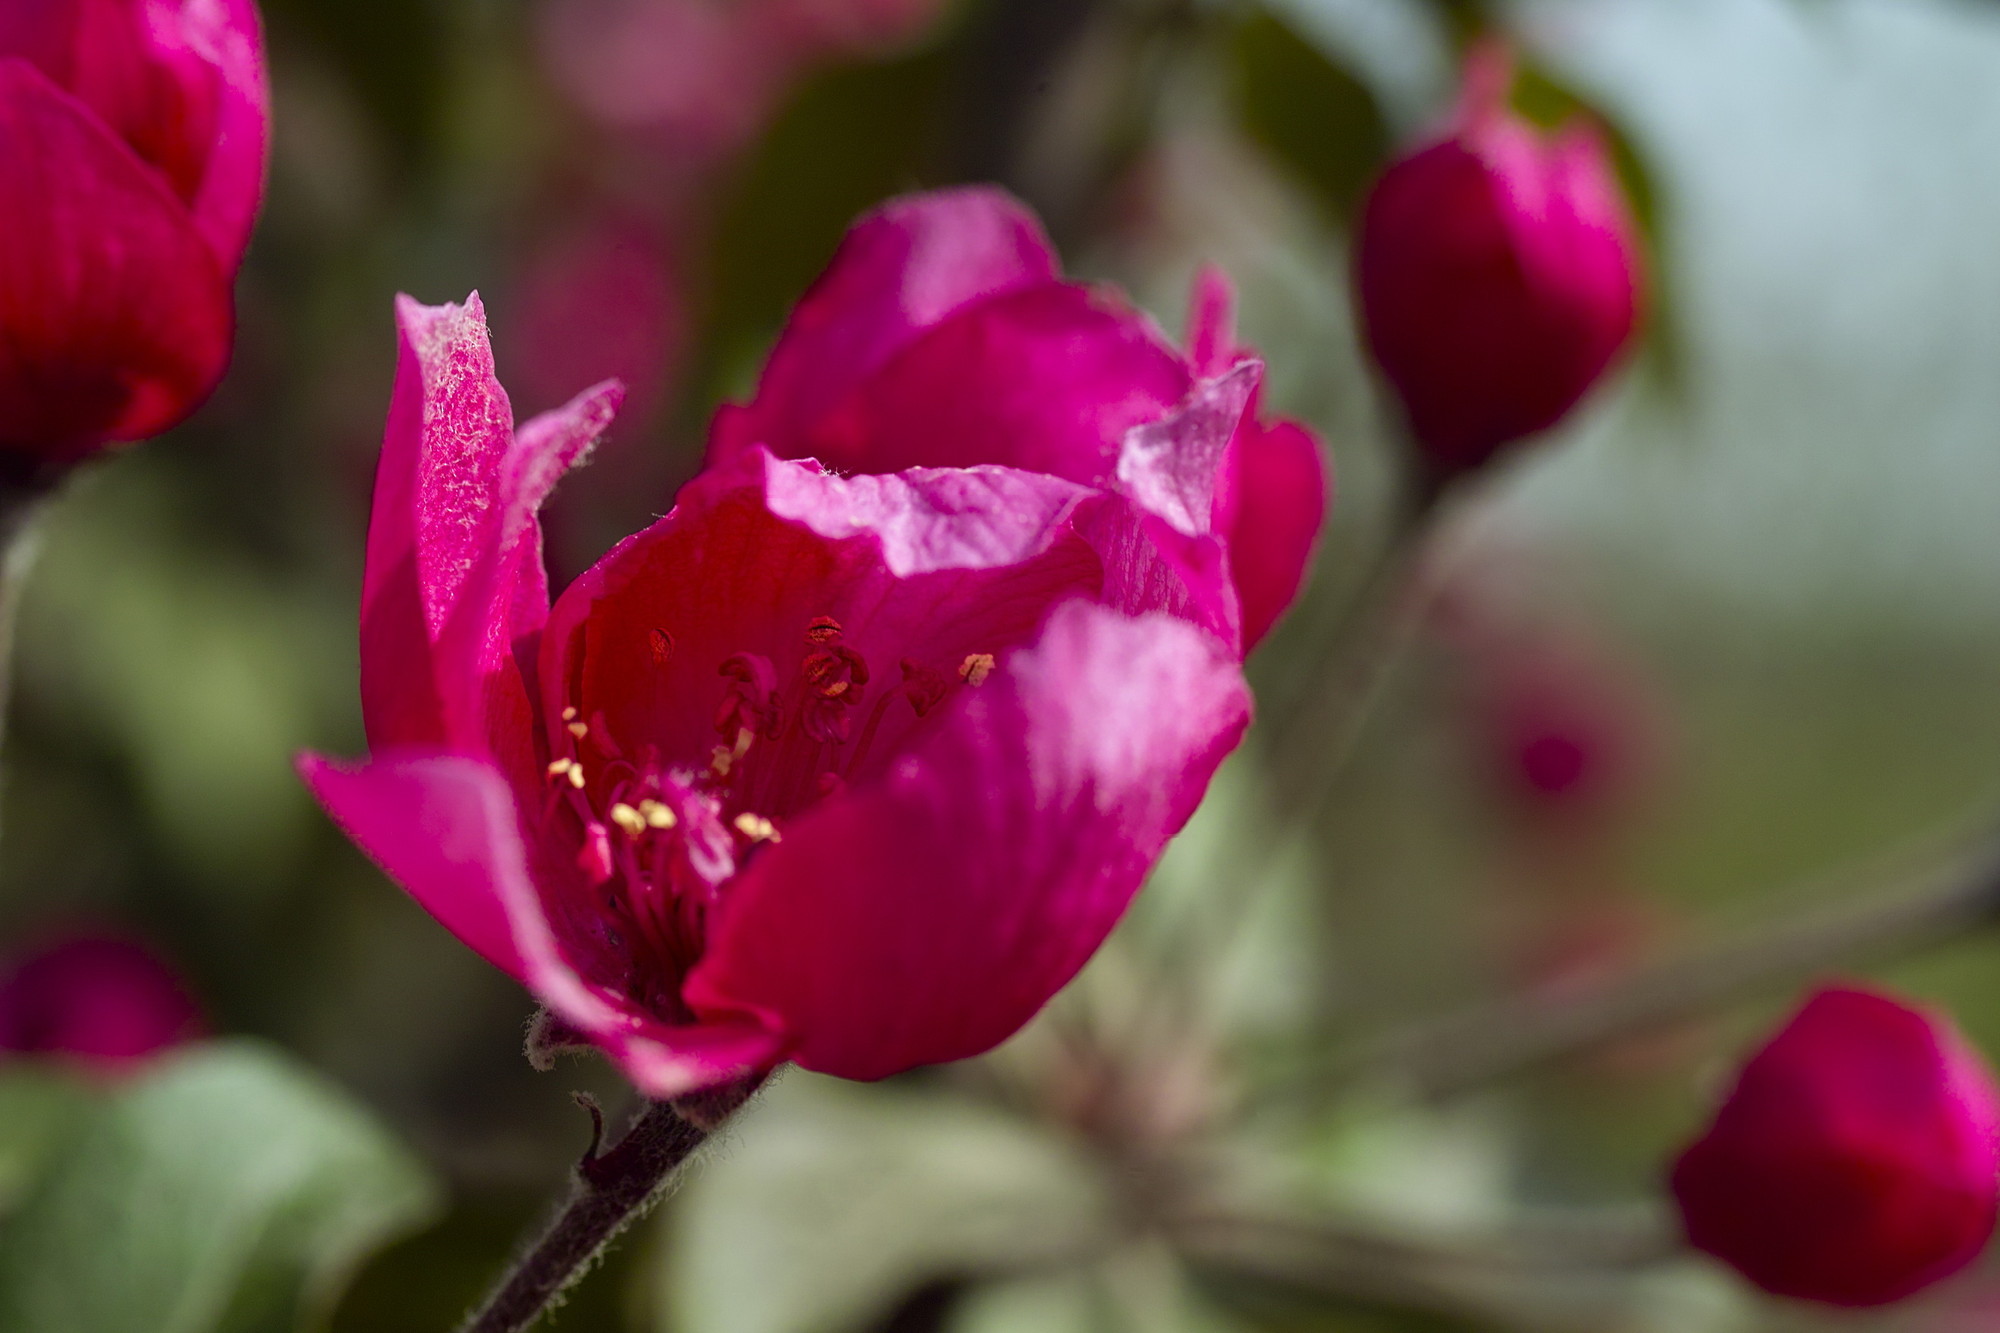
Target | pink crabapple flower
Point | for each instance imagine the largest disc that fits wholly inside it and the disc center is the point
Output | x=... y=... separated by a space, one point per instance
x=133 y=137
x=1855 y=1161
x=700 y=77
x=944 y=335
x=854 y=772
x=95 y=999
x=1499 y=274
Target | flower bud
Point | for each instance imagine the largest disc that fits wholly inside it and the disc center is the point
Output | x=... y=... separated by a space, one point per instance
x=1855 y=1161
x=1498 y=275
x=102 y=1001
x=133 y=136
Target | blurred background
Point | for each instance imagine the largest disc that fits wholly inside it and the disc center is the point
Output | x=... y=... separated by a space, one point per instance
x=1725 y=649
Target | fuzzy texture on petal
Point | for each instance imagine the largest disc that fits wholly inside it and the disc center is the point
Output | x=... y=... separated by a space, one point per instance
x=1855 y=1162
x=445 y=827
x=454 y=576
x=927 y=915
x=115 y=320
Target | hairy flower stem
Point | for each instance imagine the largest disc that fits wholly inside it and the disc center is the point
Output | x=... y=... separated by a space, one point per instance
x=1457 y=1054
x=614 y=1186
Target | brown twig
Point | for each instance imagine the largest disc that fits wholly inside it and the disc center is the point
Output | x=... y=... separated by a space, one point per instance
x=1455 y=1054
x=614 y=1186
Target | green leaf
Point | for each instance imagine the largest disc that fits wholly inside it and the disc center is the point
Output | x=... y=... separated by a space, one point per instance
x=40 y=1106
x=229 y=1191
x=838 y=1201
x=1318 y=120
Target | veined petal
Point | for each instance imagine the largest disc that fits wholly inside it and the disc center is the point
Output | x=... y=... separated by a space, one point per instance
x=115 y=321
x=902 y=269
x=926 y=915
x=445 y=827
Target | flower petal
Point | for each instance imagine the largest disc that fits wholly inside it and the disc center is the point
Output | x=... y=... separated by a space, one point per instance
x=445 y=827
x=931 y=566
x=926 y=916
x=227 y=37
x=1048 y=378
x=454 y=573
x=115 y=321
x=1277 y=478
x=901 y=269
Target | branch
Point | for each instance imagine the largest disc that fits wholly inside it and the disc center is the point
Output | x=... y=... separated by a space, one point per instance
x=613 y=1187
x=1490 y=1042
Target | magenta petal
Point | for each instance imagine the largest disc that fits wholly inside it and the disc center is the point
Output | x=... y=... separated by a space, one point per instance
x=227 y=37
x=445 y=828
x=1211 y=322
x=115 y=321
x=1279 y=483
x=929 y=565
x=926 y=916
x=1048 y=378
x=453 y=542
x=900 y=270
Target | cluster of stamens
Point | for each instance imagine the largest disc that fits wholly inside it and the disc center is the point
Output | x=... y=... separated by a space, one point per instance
x=662 y=839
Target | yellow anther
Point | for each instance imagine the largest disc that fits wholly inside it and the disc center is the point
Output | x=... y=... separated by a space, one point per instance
x=756 y=828
x=657 y=815
x=628 y=819
x=720 y=760
x=976 y=668
x=579 y=729
x=568 y=768
x=569 y=714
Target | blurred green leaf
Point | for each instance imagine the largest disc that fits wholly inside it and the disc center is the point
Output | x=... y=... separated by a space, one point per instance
x=39 y=1108
x=1314 y=117
x=840 y=1200
x=229 y=1191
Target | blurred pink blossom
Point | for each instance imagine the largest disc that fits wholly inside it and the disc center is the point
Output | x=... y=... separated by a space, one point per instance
x=600 y=296
x=101 y=1000
x=703 y=75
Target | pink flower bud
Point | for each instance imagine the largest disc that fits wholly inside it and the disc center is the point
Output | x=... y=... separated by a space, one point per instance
x=1499 y=275
x=99 y=1000
x=133 y=136
x=1855 y=1162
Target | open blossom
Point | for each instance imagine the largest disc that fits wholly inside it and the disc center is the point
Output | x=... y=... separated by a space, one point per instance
x=1499 y=274
x=133 y=136
x=855 y=772
x=944 y=335
x=100 y=1000
x=1855 y=1163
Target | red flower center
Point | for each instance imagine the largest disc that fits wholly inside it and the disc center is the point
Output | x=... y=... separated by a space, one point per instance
x=659 y=835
